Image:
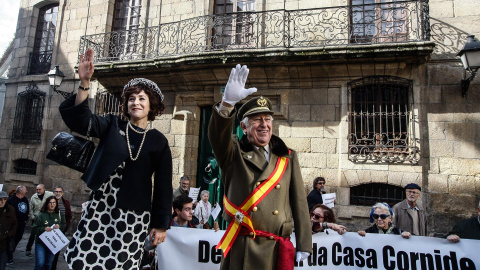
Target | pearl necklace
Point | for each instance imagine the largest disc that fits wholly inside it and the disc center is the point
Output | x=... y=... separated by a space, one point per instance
x=143 y=139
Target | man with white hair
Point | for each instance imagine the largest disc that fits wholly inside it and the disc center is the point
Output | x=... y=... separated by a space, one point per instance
x=36 y=203
x=466 y=229
x=264 y=192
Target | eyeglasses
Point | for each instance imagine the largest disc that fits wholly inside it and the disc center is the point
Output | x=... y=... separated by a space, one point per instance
x=58 y=191
x=258 y=120
x=382 y=216
x=316 y=215
x=413 y=192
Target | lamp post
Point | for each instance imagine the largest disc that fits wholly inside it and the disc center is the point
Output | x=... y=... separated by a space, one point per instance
x=55 y=77
x=470 y=56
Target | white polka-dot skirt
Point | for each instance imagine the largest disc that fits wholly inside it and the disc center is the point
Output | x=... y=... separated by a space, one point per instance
x=108 y=237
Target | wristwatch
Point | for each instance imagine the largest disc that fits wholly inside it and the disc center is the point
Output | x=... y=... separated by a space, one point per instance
x=324 y=225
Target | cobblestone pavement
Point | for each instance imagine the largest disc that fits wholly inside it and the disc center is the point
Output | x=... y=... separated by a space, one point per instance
x=22 y=262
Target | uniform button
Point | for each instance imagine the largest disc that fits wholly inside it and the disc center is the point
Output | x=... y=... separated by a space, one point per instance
x=277 y=187
x=250 y=233
x=275 y=212
x=271 y=237
x=254 y=209
x=257 y=184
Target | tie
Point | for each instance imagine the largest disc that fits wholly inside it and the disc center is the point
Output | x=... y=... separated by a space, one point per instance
x=264 y=152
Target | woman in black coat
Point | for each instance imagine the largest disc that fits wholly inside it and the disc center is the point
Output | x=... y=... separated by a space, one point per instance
x=121 y=210
x=8 y=227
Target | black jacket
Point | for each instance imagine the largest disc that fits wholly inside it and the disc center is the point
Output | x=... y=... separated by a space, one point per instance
x=467 y=229
x=314 y=198
x=136 y=188
x=21 y=206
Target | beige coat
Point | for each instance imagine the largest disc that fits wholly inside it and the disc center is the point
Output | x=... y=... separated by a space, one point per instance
x=243 y=166
x=404 y=221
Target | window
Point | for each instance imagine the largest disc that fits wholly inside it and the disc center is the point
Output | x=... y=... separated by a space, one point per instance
x=41 y=57
x=125 y=35
x=27 y=126
x=233 y=26
x=378 y=21
x=381 y=120
x=108 y=103
x=369 y=194
x=25 y=166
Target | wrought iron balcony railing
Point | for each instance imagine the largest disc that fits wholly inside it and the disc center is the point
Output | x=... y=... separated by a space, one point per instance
x=388 y=22
x=39 y=63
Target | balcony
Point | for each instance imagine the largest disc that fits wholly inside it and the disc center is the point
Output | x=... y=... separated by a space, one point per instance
x=174 y=54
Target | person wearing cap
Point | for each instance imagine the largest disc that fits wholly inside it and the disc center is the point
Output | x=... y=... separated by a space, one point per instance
x=121 y=208
x=8 y=228
x=409 y=215
x=264 y=191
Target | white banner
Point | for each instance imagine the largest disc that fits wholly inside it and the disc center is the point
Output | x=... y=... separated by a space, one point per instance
x=55 y=240
x=195 y=249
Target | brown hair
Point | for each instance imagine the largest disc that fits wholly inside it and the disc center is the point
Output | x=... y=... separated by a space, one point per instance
x=328 y=215
x=156 y=105
x=45 y=205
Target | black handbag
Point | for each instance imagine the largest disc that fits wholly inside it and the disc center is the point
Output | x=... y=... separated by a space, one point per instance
x=72 y=151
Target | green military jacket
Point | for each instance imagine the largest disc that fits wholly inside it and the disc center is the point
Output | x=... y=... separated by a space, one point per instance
x=243 y=168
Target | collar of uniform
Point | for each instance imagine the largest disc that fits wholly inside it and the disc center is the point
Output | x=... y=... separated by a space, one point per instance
x=276 y=145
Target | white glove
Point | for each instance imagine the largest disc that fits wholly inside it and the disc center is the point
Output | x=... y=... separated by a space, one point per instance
x=301 y=256
x=235 y=89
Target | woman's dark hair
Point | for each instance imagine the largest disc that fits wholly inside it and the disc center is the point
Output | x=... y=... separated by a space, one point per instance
x=156 y=105
x=316 y=180
x=328 y=215
x=45 y=205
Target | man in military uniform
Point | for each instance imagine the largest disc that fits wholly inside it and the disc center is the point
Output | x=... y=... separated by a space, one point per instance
x=264 y=189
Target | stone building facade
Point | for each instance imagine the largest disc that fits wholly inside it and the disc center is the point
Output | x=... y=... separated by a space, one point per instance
x=369 y=94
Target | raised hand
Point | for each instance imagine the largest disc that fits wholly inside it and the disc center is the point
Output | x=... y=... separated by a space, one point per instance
x=85 y=67
x=235 y=89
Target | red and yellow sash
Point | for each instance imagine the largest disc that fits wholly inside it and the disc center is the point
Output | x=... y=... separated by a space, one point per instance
x=240 y=214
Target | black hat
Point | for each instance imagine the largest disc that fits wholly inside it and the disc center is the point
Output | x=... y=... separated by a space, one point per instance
x=413 y=186
x=255 y=105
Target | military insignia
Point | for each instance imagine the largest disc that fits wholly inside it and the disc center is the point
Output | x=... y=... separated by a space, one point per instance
x=239 y=217
x=46 y=222
x=262 y=102
x=56 y=220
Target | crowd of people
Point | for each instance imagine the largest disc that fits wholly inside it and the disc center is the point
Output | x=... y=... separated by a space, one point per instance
x=127 y=213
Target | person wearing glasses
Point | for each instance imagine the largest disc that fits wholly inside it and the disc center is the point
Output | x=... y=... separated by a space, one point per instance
x=64 y=207
x=382 y=215
x=49 y=218
x=315 y=196
x=322 y=218
x=409 y=215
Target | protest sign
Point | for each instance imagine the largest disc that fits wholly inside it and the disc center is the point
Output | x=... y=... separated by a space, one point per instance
x=329 y=199
x=216 y=211
x=332 y=251
x=55 y=240
x=194 y=193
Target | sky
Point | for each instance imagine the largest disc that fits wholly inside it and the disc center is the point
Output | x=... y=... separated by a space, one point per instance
x=8 y=22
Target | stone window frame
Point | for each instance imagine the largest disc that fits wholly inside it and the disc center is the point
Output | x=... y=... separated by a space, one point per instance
x=381 y=120
x=370 y=193
x=41 y=57
x=25 y=166
x=28 y=120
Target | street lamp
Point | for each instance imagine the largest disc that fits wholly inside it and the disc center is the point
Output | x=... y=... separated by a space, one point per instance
x=470 y=56
x=55 y=77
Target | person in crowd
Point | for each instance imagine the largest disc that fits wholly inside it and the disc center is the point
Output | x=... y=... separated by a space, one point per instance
x=466 y=229
x=49 y=218
x=184 y=187
x=261 y=167
x=409 y=215
x=8 y=228
x=65 y=209
x=315 y=196
x=36 y=203
x=121 y=208
x=203 y=210
x=183 y=216
x=322 y=218
x=382 y=215
x=20 y=203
